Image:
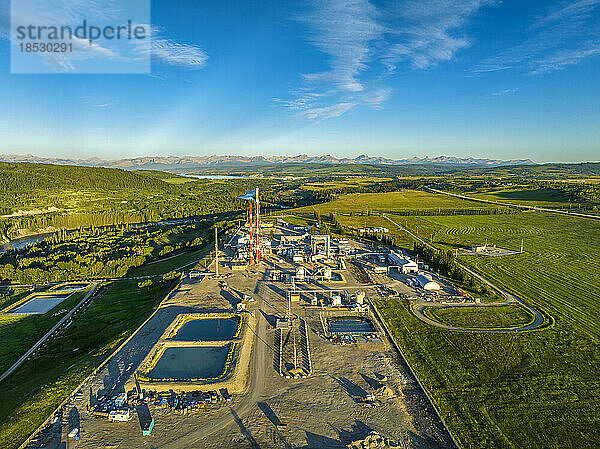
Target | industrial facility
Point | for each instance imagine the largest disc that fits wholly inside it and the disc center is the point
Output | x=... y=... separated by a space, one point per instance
x=282 y=305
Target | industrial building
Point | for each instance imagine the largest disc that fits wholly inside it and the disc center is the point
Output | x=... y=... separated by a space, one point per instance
x=320 y=243
x=239 y=264
x=119 y=415
x=374 y=230
x=405 y=264
x=426 y=282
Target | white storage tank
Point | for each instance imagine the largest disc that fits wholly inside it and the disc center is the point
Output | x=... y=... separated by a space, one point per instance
x=360 y=298
x=426 y=282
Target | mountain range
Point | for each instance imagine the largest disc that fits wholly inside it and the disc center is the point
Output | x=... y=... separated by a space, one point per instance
x=177 y=163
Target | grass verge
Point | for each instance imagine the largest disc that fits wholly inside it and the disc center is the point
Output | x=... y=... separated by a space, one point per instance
x=504 y=390
x=31 y=393
x=481 y=317
x=18 y=333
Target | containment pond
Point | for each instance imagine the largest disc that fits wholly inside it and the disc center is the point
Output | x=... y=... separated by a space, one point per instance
x=187 y=363
x=350 y=326
x=68 y=287
x=207 y=329
x=38 y=303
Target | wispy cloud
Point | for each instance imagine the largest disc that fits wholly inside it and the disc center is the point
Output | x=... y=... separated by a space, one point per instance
x=568 y=12
x=503 y=92
x=344 y=30
x=328 y=111
x=565 y=34
x=429 y=32
x=175 y=53
x=563 y=58
x=171 y=52
x=364 y=44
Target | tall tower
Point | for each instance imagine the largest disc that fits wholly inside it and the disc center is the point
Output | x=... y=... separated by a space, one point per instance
x=257 y=227
x=251 y=237
x=254 y=223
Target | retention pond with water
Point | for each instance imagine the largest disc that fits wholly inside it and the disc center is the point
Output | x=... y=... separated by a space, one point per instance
x=207 y=329
x=38 y=303
x=350 y=326
x=191 y=363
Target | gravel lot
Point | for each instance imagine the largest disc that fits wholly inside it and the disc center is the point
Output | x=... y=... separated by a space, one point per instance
x=321 y=411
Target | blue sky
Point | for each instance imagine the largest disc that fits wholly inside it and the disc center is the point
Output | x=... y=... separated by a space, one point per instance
x=483 y=78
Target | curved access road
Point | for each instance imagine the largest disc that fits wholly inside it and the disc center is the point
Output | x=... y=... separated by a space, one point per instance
x=419 y=307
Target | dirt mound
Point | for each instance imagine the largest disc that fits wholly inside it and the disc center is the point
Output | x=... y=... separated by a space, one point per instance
x=386 y=392
x=380 y=377
x=374 y=441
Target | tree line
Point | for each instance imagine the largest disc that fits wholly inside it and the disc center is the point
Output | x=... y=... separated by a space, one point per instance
x=444 y=262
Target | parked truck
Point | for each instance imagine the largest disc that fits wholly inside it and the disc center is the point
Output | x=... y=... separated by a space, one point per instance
x=148 y=426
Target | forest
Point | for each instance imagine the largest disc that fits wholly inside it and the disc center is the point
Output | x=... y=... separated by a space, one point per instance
x=38 y=198
x=91 y=253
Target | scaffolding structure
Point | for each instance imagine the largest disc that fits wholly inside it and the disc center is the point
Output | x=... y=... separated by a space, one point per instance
x=254 y=222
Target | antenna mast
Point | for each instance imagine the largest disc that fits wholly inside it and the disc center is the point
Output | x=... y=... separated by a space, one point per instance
x=257 y=227
x=251 y=237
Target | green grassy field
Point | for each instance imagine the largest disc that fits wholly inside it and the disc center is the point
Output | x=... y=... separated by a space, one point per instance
x=516 y=390
x=38 y=386
x=536 y=389
x=528 y=197
x=168 y=264
x=349 y=182
x=19 y=332
x=480 y=317
x=401 y=238
x=557 y=272
x=392 y=201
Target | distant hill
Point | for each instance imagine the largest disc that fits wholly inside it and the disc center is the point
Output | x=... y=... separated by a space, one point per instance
x=183 y=163
x=539 y=171
x=18 y=177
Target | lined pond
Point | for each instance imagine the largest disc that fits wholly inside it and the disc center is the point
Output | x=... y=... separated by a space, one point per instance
x=38 y=304
x=186 y=363
x=207 y=329
x=350 y=326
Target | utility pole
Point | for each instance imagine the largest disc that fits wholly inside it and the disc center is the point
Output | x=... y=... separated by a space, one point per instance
x=295 y=352
x=216 y=254
x=257 y=227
